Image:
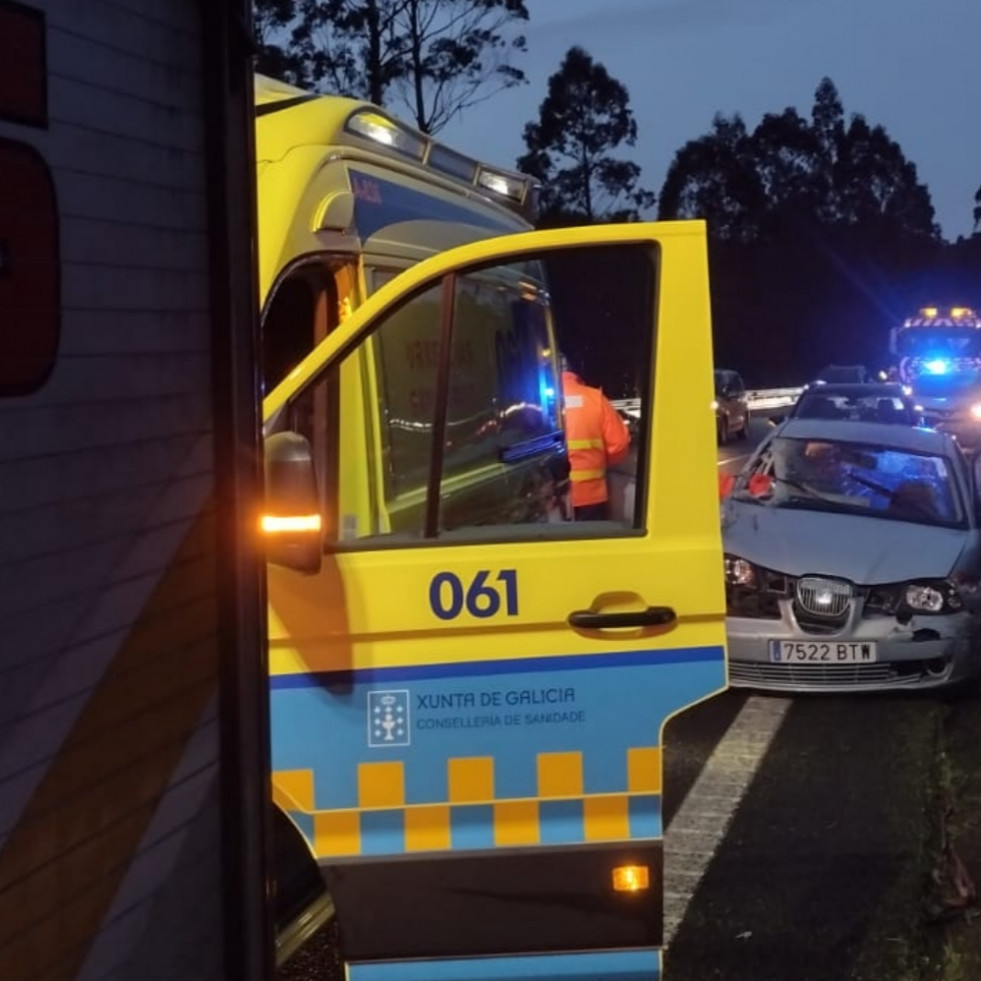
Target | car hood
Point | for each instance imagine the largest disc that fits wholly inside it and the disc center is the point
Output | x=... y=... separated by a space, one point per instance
x=862 y=549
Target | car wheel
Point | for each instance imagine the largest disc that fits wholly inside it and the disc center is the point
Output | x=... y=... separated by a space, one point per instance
x=723 y=431
x=744 y=431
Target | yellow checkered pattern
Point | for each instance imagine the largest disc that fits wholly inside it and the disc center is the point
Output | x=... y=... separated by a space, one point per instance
x=470 y=782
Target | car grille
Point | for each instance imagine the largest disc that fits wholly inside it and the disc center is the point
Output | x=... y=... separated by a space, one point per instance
x=819 y=675
x=825 y=598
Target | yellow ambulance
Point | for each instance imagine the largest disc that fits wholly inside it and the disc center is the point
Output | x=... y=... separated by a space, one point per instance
x=468 y=689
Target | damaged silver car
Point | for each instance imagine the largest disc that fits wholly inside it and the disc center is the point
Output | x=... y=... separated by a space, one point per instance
x=853 y=556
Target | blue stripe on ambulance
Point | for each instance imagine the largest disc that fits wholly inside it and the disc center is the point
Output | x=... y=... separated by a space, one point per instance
x=613 y=965
x=552 y=732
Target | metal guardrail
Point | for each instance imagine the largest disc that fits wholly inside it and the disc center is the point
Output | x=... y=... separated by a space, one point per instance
x=630 y=407
x=759 y=400
x=772 y=398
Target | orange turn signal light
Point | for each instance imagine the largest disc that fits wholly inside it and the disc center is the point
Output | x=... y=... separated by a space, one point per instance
x=278 y=524
x=631 y=878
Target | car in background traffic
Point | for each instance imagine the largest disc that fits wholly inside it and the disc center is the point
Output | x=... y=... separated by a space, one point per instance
x=731 y=406
x=871 y=402
x=841 y=374
x=852 y=561
x=632 y=422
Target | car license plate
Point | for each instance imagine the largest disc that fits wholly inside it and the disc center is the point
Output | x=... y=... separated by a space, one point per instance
x=822 y=652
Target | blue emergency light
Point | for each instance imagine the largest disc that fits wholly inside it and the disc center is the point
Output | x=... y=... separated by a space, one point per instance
x=938 y=366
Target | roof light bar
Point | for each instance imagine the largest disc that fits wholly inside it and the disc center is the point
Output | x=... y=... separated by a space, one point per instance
x=507 y=185
x=516 y=189
x=450 y=162
x=380 y=129
x=945 y=317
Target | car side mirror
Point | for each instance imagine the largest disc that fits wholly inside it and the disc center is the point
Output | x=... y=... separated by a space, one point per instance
x=292 y=523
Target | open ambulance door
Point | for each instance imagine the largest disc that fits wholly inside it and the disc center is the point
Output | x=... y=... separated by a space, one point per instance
x=468 y=691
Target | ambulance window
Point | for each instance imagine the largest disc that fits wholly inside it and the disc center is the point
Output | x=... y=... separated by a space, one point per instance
x=287 y=331
x=482 y=315
x=370 y=421
x=501 y=398
x=504 y=457
x=377 y=277
x=406 y=357
x=483 y=415
x=302 y=310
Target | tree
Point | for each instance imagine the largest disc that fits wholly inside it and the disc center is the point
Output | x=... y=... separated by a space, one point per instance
x=793 y=173
x=583 y=119
x=977 y=209
x=349 y=47
x=458 y=55
x=715 y=178
x=878 y=188
x=435 y=57
x=269 y=20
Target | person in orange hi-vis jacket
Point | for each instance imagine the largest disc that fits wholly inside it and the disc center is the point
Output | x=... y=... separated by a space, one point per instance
x=596 y=437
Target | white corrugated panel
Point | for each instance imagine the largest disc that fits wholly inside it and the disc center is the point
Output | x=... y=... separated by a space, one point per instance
x=109 y=819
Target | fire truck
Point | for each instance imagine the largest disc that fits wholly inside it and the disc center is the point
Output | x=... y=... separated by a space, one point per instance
x=939 y=358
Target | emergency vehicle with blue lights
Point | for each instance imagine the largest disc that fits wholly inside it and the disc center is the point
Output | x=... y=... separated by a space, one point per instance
x=939 y=351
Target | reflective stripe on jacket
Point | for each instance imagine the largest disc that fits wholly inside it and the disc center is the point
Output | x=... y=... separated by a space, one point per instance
x=596 y=437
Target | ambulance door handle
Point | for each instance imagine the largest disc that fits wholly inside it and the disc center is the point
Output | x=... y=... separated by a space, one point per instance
x=653 y=616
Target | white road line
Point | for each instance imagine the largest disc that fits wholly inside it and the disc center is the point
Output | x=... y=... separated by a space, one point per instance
x=734 y=459
x=703 y=819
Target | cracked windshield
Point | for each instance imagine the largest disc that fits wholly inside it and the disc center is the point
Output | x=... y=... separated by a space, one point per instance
x=490 y=490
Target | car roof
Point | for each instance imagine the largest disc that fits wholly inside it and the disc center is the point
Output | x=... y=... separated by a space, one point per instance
x=883 y=389
x=910 y=438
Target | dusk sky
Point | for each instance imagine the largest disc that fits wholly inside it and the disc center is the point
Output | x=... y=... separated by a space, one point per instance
x=911 y=65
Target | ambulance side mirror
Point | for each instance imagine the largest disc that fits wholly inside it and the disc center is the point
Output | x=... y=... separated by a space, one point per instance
x=292 y=523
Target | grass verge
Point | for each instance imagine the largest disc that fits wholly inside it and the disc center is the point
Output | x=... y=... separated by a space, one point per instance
x=960 y=934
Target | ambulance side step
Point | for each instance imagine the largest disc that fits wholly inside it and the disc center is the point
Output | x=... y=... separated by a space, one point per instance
x=498 y=903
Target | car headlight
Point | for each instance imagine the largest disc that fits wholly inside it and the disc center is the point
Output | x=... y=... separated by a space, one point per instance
x=924 y=599
x=976 y=410
x=933 y=597
x=739 y=572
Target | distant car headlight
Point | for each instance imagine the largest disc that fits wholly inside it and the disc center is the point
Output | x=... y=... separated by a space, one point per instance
x=976 y=410
x=714 y=405
x=941 y=596
x=739 y=572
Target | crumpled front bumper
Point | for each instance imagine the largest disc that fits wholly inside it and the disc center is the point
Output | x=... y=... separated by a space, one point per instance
x=928 y=652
